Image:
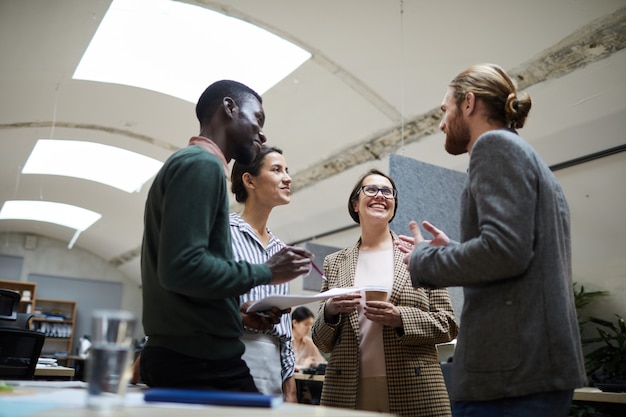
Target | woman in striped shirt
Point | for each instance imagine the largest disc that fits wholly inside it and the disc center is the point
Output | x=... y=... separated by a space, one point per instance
x=261 y=186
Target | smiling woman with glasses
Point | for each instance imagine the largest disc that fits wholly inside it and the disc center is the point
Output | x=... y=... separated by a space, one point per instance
x=370 y=189
x=382 y=353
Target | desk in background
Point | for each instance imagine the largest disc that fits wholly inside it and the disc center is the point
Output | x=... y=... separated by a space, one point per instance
x=299 y=376
x=308 y=387
x=595 y=395
x=54 y=372
x=76 y=362
x=606 y=403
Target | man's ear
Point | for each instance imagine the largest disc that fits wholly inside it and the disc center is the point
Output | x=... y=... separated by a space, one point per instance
x=469 y=104
x=230 y=107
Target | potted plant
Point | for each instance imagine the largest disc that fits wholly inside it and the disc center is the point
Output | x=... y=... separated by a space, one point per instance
x=607 y=363
x=582 y=299
x=585 y=410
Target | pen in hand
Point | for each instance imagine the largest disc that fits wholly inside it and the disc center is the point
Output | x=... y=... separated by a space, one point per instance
x=319 y=271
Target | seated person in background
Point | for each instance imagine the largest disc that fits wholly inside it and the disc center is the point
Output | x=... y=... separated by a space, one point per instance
x=307 y=354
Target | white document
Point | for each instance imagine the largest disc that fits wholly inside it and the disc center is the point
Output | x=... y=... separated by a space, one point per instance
x=287 y=301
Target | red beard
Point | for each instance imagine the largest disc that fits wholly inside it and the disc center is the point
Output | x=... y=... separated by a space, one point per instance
x=457 y=135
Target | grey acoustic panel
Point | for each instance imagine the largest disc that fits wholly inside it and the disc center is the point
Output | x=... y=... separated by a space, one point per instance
x=89 y=294
x=428 y=192
x=313 y=281
x=11 y=267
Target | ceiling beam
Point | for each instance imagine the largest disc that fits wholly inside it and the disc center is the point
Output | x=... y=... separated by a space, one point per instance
x=593 y=42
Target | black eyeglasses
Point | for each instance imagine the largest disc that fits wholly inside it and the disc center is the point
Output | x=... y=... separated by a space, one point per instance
x=372 y=191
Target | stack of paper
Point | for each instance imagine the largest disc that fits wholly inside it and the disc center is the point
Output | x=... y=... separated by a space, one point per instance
x=288 y=301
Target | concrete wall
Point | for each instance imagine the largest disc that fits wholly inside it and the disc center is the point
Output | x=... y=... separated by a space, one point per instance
x=52 y=257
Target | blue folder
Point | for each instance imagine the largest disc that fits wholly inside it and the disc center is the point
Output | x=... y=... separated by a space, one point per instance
x=212 y=397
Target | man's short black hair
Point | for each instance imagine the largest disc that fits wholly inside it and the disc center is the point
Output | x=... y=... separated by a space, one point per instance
x=212 y=97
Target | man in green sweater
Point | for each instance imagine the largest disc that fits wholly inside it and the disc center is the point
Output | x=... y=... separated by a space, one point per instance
x=191 y=283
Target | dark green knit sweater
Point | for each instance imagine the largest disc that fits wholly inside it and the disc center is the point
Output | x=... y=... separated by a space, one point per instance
x=190 y=281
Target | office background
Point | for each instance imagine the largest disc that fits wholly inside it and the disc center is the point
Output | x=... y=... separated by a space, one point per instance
x=371 y=89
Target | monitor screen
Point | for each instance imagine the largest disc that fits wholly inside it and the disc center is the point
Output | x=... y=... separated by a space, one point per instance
x=6 y=308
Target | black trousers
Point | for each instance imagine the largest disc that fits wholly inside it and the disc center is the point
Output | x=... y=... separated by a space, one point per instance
x=161 y=367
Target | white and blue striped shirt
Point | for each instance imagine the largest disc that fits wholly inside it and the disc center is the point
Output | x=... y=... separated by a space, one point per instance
x=248 y=247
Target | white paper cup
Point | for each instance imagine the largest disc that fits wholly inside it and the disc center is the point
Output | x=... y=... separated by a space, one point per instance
x=110 y=358
x=376 y=294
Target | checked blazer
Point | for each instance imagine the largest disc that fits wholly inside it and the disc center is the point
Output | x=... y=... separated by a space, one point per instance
x=415 y=383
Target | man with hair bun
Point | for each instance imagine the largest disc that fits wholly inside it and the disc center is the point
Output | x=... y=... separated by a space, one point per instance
x=518 y=351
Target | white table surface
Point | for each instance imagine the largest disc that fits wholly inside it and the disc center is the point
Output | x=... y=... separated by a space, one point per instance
x=67 y=399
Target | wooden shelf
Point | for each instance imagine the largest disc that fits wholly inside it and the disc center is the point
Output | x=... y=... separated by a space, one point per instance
x=27 y=303
x=59 y=331
x=59 y=328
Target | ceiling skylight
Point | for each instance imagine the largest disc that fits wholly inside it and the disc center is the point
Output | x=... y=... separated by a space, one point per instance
x=62 y=214
x=109 y=165
x=179 y=49
x=46 y=211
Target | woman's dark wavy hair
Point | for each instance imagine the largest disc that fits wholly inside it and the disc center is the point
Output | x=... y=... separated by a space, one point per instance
x=354 y=195
x=253 y=168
